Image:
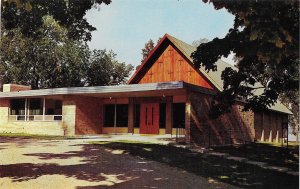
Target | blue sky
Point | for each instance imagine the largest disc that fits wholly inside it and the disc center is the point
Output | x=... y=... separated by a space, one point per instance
x=126 y=25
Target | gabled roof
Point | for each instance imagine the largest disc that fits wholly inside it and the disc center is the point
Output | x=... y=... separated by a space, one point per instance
x=213 y=76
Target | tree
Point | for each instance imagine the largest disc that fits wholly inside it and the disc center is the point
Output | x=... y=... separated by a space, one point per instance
x=265 y=40
x=56 y=61
x=149 y=46
x=46 y=62
x=27 y=15
x=103 y=65
x=199 y=42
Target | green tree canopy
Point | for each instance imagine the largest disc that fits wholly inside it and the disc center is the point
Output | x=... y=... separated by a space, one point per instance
x=54 y=60
x=149 y=46
x=103 y=66
x=50 y=61
x=265 y=40
x=27 y=15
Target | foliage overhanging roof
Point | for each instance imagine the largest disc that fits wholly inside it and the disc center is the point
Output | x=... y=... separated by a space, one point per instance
x=213 y=76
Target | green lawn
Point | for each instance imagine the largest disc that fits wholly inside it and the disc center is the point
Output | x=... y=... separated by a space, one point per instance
x=266 y=152
x=216 y=168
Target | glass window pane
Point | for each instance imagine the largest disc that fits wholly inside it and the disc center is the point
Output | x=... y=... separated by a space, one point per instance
x=122 y=115
x=137 y=115
x=162 y=115
x=35 y=106
x=17 y=107
x=109 y=111
x=178 y=115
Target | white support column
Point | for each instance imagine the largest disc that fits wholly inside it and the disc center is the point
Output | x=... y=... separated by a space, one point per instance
x=25 y=118
x=44 y=108
x=28 y=108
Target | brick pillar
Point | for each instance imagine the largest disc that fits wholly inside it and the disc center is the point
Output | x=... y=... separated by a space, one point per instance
x=69 y=115
x=131 y=116
x=169 y=115
x=4 y=112
x=188 y=122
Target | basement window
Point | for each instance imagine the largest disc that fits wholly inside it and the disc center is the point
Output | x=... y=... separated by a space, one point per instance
x=116 y=115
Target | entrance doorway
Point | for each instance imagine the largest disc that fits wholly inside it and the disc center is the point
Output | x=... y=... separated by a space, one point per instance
x=149 y=119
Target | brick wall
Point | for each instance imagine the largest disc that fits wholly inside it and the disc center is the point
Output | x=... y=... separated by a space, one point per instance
x=89 y=112
x=15 y=87
x=230 y=128
x=268 y=126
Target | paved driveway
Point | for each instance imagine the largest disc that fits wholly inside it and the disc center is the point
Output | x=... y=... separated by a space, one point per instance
x=29 y=163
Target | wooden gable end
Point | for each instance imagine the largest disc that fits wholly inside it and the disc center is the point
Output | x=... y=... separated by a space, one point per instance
x=172 y=66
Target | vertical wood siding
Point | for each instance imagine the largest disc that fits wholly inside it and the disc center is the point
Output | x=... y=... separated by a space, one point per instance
x=171 y=66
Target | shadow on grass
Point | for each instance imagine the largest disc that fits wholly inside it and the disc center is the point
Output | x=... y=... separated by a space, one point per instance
x=264 y=152
x=216 y=168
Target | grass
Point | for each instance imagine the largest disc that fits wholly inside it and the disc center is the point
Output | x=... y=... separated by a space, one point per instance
x=213 y=168
x=272 y=154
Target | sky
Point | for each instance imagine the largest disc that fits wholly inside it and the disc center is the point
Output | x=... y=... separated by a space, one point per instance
x=124 y=26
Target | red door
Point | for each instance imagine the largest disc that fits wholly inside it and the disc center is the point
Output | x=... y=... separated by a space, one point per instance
x=149 y=119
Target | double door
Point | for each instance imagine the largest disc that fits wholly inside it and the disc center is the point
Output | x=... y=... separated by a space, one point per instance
x=149 y=118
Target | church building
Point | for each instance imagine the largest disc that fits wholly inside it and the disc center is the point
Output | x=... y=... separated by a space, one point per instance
x=166 y=95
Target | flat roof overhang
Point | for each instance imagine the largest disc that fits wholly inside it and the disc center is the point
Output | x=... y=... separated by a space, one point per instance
x=132 y=90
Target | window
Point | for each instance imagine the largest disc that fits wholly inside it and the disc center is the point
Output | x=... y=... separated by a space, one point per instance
x=137 y=109
x=121 y=115
x=178 y=115
x=53 y=107
x=32 y=109
x=35 y=106
x=162 y=115
x=17 y=107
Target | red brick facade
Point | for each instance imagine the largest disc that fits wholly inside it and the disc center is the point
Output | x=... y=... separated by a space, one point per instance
x=230 y=128
x=269 y=126
x=234 y=127
x=89 y=112
x=4 y=103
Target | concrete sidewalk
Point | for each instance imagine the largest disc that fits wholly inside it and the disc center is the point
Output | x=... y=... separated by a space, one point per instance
x=155 y=139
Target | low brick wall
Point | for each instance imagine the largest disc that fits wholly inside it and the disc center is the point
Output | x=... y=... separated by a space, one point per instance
x=33 y=127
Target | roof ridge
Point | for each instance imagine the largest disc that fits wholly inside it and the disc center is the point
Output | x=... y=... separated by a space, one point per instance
x=181 y=41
